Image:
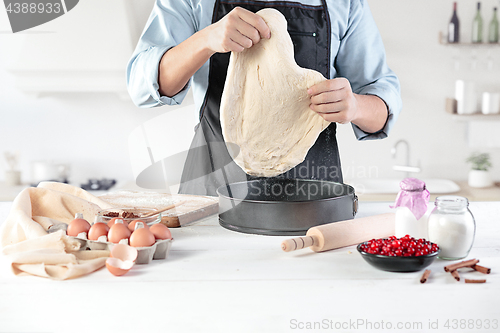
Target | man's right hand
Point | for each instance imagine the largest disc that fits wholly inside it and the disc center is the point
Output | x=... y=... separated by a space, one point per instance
x=238 y=30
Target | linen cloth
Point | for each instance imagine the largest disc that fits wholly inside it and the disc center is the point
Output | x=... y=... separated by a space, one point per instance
x=31 y=250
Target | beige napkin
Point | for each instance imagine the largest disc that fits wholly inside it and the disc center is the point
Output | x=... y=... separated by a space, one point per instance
x=31 y=250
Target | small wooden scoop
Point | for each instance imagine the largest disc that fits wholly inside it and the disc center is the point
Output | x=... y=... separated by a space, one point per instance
x=164 y=209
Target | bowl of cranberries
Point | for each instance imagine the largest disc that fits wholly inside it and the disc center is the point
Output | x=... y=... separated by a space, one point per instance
x=405 y=254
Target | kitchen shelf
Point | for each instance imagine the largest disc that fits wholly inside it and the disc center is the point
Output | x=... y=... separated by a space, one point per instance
x=472 y=45
x=476 y=117
x=443 y=41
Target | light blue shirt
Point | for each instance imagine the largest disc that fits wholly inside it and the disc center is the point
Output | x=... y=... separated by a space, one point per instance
x=357 y=53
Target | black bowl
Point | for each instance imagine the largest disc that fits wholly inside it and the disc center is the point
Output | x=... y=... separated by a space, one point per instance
x=398 y=264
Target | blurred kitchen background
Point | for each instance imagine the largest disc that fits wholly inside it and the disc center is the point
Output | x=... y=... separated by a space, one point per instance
x=65 y=111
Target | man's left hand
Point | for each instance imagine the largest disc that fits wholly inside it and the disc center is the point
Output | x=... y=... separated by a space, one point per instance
x=334 y=100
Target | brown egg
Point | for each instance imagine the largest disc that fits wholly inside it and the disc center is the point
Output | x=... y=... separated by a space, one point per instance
x=77 y=226
x=114 y=219
x=124 y=252
x=118 y=232
x=160 y=231
x=118 y=267
x=97 y=230
x=131 y=225
x=142 y=237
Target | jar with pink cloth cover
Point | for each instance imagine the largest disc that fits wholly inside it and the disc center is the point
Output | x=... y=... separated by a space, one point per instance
x=411 y=208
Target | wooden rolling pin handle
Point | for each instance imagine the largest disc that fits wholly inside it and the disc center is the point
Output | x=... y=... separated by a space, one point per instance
x=298 y=243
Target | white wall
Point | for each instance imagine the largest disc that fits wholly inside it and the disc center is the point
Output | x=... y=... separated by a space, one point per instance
x=91 y=131
x=88 y=131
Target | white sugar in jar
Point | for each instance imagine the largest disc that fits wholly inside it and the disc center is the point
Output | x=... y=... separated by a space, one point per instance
x=452 y=227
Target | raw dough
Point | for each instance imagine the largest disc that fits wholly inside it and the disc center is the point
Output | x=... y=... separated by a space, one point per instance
x=265 y=105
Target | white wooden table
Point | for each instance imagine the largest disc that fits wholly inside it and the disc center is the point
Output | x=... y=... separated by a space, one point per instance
x=216 y=280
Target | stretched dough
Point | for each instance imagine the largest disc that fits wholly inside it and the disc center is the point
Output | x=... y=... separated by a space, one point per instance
x=265 y=105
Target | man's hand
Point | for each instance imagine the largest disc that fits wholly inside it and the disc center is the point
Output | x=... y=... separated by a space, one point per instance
x=238 y=30
x=335 y=102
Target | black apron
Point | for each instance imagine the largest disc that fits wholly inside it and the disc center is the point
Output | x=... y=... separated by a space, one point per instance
x=208 y=164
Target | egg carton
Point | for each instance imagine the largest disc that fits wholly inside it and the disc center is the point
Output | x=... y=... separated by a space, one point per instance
x=159 y=250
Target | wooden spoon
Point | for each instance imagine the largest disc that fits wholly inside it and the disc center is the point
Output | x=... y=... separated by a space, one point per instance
x=164 y=209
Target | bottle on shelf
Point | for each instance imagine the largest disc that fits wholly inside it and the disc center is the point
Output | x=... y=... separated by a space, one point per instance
x=493 y=28
x=477 y=26
x=454 y=27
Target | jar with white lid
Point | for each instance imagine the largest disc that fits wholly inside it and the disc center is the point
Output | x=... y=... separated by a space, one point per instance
x=411 y=207
x=452 y=227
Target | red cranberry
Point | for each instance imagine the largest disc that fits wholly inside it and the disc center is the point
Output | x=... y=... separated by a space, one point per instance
x=405 y=246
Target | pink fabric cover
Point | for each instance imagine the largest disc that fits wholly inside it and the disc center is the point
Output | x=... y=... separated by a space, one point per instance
x=413 y=195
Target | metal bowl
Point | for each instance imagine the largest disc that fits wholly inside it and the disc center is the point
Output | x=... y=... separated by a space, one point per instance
x=398 y=264
x=285 y=207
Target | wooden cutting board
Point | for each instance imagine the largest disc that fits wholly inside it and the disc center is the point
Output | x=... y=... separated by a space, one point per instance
x=195 y=207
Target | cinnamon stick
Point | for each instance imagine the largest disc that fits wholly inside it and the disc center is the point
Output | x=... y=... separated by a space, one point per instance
x=455 y=275
x=466 y=263
x=475 y=281
x=424 y=277
x=482 y=269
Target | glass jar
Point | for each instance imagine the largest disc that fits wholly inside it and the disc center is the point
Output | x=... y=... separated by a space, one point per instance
x=452 y=227
x=407 y=224
x=411 y=207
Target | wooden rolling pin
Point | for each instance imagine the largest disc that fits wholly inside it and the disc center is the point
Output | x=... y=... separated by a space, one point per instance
x=343 y=233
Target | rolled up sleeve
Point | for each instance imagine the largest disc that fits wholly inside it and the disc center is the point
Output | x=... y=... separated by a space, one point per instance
x=170 y=23
x=361 y=59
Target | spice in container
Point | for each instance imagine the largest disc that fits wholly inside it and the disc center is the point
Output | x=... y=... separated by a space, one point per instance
x=411 y=206
x=452 y=226
x=128 y=215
